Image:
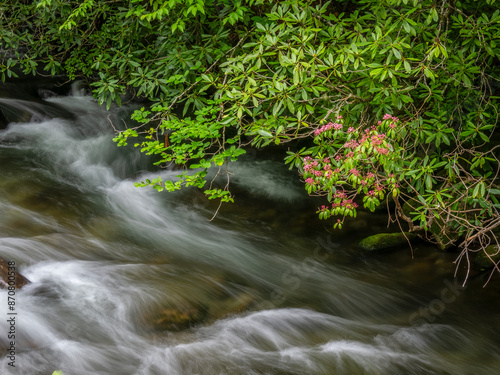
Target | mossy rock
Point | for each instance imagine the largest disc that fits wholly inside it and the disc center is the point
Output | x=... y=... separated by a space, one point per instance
x=482 y=259
x=385 y=242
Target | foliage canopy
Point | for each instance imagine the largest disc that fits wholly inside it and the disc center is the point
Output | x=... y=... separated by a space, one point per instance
x=377 y=99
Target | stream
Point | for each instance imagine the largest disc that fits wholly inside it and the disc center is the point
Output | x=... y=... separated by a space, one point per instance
x=129 y=281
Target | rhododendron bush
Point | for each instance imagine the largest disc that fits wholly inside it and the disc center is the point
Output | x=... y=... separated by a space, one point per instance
x=365 y=164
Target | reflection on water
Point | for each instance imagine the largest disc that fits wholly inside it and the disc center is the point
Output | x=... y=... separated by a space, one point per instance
x=131 y=281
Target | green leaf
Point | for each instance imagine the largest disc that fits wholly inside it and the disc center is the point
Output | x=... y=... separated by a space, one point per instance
x=264 y=133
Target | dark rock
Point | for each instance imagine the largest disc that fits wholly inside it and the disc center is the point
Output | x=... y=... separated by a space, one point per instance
x=384 y=242
x=487 y=258
x=19 y=280
x=443 y=233
x=23 y=111
x=410 y=206
x=23 y=101
x=176 y=318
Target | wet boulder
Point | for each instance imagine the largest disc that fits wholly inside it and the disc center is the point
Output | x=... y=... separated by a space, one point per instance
x=176 y=318
x=32 y=110
x=232 y=305
x=487 y=258
x=386 y=242
x=24 y=101
x=10 y=276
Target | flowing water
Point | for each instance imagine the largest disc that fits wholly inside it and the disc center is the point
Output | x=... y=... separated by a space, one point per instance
x=126 y=280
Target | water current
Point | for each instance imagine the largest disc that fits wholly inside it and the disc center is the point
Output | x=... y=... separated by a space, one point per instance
x=127 y=280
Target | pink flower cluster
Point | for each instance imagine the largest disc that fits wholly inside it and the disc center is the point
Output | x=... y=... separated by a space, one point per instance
x=355 y=172
x=351 y=144
x=347 y=203
x=309 y=164
x=314 y=169
x=394 y=119
x=327 y=127
x=374 y=140
x=310 y=181
x=377 y=139
x=340 y=194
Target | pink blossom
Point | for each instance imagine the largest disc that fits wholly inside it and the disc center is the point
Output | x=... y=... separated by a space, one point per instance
x=355 y=172
x=377 y=139
x=370 y=175
x=351 y=144
x=349 y=203
x=387 y=116
x=340 y=194
x=318 y=173
x=327 y=127
x=310 y=181
x=350 y=129
x=382 y=151
x=379 y=122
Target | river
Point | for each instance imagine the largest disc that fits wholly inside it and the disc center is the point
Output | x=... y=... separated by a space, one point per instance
x=127 y=280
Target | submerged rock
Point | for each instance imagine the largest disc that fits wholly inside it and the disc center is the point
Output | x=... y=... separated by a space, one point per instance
x=488 y=257
x=176 y=318
x=384 y=242
x=9 y=273
x=232 y=305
